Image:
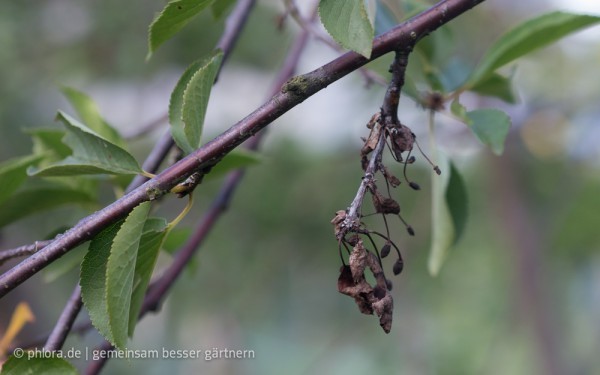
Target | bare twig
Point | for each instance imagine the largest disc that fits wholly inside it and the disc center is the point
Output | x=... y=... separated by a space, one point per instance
x=295 y=91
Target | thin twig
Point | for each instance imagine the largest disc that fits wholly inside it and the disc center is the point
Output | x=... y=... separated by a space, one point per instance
x=294 y=92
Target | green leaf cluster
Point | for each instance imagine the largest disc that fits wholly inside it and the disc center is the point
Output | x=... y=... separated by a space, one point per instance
x=116 y=271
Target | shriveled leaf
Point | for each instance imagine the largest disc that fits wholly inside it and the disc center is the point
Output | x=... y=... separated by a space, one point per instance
x=220 y=7
x=13 y=174
x=491 y=127
x=120 y=272
x=37 y=365
x=196 y=71
x=89 y=114
x=527 y=37
x=443 y=232
x=92 y=154
x=93 y=279
x=37 y=199
x=497 y=86
x=195 y=98
x=175 y=15
x=349 y=24
x=153 y=236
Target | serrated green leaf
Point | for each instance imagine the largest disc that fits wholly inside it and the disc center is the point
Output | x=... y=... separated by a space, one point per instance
x=120 y=272
x=153 y=236
x=88 y=112
x=195 y=98
x=457 y=201
x=443 y=234
x=37 y=365
x=497 y=86
x=527 y=37
x=234 y=160
x=92 y=154
x=348 y=23
x=491 y=126
x=178 y=100
x=175 y=15
x=220 y=7
x=13 y=174
x=93 y=279
x=37 y=199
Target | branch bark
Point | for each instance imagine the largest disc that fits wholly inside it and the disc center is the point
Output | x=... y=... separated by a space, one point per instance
x=294 y=92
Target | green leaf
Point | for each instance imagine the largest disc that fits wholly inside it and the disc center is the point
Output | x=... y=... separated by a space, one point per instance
x=175 y=15
x=37 y=365
x=153 y=236
x=13 y=174
x=193 y=89
x=497 y=86
x=195 y=98
x=37 y=199
x=176 y=238
x=234 y=160
x=443 y=233
x=459 y=110
x=88 y=112
x=220 y=7
x=92 y=154
x=348 y=23
x=48 y=142
x=449 y=213
x=527 y=37
x=93 y=279
x=120 y=272
x=491 y=127
x=457 y=201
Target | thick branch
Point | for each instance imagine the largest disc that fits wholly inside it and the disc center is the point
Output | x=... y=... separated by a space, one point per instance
x=294 y=92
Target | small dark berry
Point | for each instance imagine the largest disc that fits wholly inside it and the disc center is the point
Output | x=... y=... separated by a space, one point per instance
x=411 y=160
x=410 y=230
x=414 y=185
x=398 y=267
x=385 y=250
x=437 y=170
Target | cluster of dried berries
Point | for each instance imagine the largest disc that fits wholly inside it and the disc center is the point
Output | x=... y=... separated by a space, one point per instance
x=350 y=230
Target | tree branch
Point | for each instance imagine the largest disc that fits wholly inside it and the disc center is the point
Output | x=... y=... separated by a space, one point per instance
x=294 y=92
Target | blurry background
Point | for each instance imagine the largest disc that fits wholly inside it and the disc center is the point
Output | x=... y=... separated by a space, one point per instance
x=519 y=294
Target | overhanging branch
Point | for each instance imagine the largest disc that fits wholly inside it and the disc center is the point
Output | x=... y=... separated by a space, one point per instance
x=294 y=92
